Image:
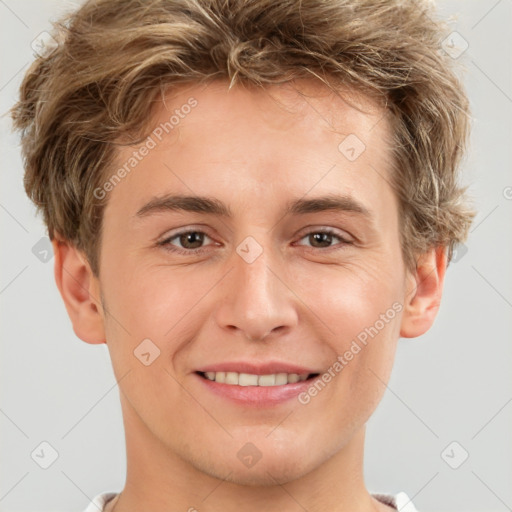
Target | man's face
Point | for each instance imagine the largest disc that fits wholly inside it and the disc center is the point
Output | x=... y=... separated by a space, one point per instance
x=261 y=286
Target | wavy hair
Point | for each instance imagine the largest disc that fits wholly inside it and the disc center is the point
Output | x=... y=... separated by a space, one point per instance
x=114 y=58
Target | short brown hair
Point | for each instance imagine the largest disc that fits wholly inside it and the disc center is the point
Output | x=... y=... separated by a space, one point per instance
x=115 y=57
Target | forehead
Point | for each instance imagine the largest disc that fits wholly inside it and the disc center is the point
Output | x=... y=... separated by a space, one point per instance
x=261 y=142
x=288 y=107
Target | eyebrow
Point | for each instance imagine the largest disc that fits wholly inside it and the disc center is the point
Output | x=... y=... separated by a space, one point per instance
x=209 y=205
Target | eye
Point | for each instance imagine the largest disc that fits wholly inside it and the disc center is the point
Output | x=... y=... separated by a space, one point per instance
x=190 y=241
x=322 y=239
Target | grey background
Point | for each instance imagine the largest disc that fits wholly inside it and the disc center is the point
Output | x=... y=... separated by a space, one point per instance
x=452 y=384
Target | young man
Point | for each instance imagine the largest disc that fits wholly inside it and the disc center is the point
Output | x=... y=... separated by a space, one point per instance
x=250 y=202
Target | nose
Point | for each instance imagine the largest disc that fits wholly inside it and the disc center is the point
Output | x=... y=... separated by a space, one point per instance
x=257 y=301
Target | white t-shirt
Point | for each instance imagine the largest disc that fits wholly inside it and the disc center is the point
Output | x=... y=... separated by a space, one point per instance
x=399 y=501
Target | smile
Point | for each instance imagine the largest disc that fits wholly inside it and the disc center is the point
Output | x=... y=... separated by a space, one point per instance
x=250 y=379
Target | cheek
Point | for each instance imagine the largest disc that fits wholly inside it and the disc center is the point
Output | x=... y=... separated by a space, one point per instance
x=350 y=297
x=152 y=307
x=157 y=302
x=360 y=307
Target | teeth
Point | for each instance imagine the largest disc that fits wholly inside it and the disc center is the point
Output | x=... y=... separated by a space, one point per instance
x=249 y=379
x=267 y=380
x=246 y=379
x=282 y=378
x=231 y=378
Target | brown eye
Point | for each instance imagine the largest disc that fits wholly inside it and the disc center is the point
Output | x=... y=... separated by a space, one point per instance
x=191 y=240
x=320 y=239
x=325 y=239
x=185 y=242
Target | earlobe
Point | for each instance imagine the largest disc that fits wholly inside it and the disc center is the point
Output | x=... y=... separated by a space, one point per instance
x=79 y=290
x=423 y=294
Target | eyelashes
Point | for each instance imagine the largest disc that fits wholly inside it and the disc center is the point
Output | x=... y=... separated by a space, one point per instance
x=326 y=235
x=170 y=247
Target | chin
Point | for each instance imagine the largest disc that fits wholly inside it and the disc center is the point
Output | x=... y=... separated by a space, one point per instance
x=261 y=479
x=269 y=470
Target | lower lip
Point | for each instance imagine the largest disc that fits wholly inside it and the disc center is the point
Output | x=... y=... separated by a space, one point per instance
x=257 y=396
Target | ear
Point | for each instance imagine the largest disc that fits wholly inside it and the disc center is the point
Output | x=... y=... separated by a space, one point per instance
x=80 y=291
x=424 y=291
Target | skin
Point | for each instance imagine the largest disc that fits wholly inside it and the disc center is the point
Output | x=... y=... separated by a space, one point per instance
x=298 y=302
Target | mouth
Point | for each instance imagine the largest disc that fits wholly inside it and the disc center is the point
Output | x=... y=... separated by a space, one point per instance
x=251 y=379
x=256 y=391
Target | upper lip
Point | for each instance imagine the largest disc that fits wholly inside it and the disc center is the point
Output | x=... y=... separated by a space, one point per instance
x=267 y=368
